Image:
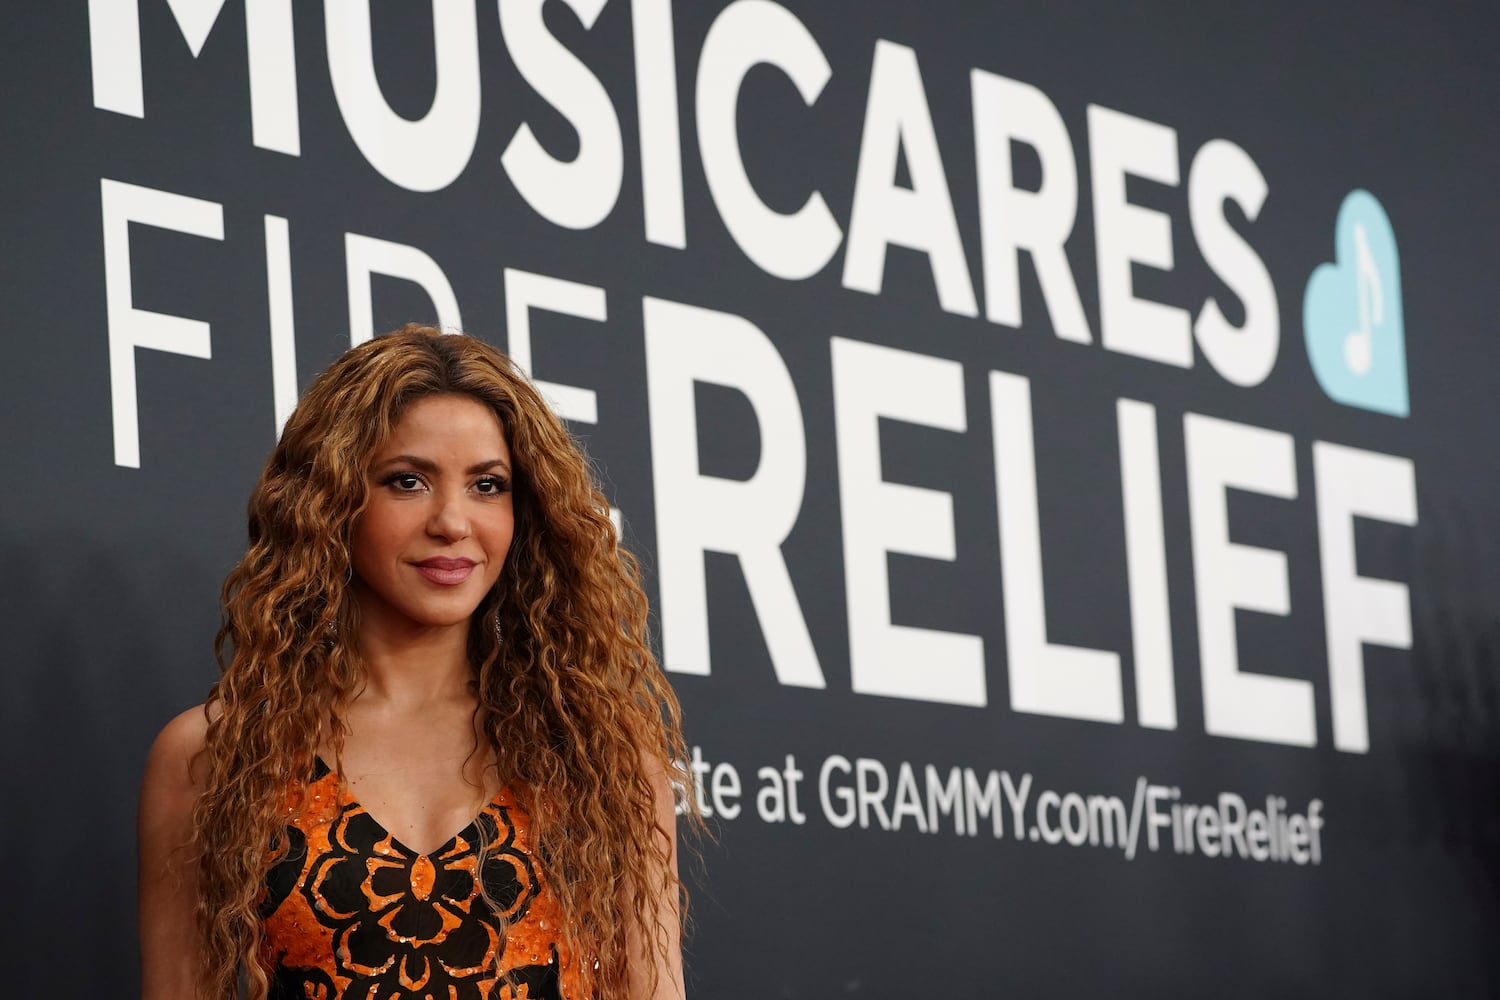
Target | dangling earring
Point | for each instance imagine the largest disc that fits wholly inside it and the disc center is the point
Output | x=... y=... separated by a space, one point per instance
x=499 y=635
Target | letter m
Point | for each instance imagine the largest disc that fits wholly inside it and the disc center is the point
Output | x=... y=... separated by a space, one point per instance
x=115 y=50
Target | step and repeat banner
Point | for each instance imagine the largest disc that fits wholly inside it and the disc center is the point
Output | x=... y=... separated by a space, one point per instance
x=1061 y=441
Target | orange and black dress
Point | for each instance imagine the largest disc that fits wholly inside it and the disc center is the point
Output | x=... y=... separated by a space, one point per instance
x=351 y=912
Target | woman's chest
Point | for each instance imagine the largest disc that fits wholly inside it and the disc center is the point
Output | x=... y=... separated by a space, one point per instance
x=422 y=781
x=351 y=905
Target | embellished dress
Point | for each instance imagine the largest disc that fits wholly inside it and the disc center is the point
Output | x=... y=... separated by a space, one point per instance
x=351 y=912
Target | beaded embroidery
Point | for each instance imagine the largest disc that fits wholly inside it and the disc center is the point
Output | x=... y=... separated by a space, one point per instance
x=352 y=912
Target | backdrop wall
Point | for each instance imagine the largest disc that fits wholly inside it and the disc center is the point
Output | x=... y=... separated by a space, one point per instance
x=1060 y=441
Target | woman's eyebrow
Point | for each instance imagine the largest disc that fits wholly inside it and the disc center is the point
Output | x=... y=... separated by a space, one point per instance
x=415 y=461
x=428 y=465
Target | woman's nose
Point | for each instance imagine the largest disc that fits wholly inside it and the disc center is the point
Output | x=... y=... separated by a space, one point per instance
x=449 y=518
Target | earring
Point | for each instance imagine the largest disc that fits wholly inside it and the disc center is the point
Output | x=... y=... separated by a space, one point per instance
x=499 y=635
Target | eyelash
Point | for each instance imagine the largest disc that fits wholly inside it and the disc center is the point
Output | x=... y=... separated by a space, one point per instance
x=393 y=478
x=501 y=484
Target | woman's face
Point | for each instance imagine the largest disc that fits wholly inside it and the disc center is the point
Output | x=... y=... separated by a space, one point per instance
x=433 y=537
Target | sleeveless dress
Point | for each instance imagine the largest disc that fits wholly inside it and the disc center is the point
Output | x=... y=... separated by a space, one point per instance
x=351 y=912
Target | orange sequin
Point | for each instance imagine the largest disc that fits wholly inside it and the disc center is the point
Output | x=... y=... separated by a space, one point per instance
x=352 y=912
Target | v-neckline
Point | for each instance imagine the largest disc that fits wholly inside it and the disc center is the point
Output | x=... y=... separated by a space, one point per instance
x=348 y=795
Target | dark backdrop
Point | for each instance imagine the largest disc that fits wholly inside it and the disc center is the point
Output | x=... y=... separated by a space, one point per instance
x=112 y=568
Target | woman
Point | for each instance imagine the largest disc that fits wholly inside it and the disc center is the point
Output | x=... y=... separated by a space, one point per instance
x=432 y=629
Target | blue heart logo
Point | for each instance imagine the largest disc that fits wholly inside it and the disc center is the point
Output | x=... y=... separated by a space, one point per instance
x=1351 y=313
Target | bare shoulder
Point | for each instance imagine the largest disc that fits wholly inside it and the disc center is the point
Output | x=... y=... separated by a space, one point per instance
x=177 y=744
x=174 y=766
x=167 y=884
x=185 y=731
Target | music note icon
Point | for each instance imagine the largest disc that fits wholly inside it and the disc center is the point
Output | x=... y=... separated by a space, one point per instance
x=1353 y=322
x=1370 y=301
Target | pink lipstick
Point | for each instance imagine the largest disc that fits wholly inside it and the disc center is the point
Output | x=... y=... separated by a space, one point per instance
x=445 y=571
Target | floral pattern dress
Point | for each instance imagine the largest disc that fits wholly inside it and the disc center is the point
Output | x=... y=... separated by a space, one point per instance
x=351 y=912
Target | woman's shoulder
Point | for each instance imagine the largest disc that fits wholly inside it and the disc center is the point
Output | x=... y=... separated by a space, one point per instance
x=168 y=879
x=184 y=734
x=177 y=747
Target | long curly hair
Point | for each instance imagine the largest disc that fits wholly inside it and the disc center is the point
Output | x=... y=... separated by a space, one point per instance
x=574 y=708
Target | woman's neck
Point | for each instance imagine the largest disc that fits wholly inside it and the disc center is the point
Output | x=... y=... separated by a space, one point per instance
x=412 y=668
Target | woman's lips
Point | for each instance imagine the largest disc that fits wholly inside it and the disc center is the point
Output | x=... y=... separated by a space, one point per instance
x=444 y=571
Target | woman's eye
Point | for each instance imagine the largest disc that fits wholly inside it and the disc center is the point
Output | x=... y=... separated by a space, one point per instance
x=404 y=482
x=491 y=486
